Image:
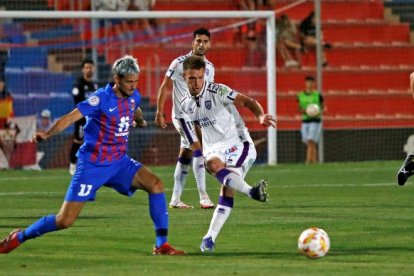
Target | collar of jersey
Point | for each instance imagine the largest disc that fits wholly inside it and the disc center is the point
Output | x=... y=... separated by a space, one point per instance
x=204 y=57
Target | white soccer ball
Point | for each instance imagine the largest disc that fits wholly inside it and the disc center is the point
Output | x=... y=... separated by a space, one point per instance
x=314 y=242
x=313 y=110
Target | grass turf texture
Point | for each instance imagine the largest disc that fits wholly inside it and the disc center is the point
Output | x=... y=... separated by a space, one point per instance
x=369 y=219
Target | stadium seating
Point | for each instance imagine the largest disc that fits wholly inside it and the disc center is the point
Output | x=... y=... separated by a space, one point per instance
x=369 y=62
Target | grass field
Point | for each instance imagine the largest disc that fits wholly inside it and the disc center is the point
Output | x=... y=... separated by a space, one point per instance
x=369 y=219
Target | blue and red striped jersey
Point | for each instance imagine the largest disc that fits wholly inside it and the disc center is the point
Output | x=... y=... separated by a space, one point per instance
x=108 y=121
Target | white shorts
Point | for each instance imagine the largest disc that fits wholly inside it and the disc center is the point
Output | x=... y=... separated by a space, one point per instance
x=186 y=130
x=239 y=157
x=311 y=132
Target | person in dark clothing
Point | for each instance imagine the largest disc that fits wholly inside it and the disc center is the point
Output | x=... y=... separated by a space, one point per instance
x=82 y=88
x=307 y=31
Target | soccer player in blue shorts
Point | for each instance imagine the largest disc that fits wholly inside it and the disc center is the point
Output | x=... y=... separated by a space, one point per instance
x=102 y=160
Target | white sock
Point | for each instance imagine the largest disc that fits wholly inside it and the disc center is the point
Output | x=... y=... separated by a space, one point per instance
x=180 y=175
x=220 y=216
x=233 y=181
x=200 y=175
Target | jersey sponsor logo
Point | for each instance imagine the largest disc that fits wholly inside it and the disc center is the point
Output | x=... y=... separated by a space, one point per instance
x=206 y=122
x=123 y=127
x=93 y=101
x=208 y=104
x=112 y=108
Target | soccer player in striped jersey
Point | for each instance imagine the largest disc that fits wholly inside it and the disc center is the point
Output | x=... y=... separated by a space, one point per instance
x=102 y=160
x=407 y=168
x=228 y=157
x=174 y=80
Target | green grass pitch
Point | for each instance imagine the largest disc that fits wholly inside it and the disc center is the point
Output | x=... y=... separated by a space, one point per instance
x=370 y=221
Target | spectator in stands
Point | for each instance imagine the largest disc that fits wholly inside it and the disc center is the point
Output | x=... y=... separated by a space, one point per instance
x=6 y=104
x=146 y=24
x=287 y=41
x=308 y=36
x=83 y=87
x=256 y=54
x=44 y=121
x=311 y=119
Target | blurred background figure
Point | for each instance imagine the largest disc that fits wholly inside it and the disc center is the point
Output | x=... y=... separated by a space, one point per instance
x=44 y=122
x=148 y=25
x=287 y=42
x=83 y=87
x=308 y=36
x=311 y=118
x=6 y=105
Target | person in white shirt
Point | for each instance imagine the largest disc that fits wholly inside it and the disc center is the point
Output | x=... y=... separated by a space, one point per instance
x=228 y=156
x=174 y=80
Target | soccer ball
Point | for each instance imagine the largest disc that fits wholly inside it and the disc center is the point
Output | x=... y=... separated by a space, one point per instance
x=313 y=110
x=314 y=242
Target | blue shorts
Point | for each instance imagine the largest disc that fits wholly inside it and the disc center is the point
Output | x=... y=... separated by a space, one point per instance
x=311 y=131
x=89 y=178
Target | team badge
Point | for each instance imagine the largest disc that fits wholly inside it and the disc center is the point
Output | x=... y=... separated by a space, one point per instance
x=93 y=101
x=132 y=104
x=207 y=72
x=208 y=104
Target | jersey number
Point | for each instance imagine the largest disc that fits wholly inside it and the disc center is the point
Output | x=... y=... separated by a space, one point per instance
x=85 y=190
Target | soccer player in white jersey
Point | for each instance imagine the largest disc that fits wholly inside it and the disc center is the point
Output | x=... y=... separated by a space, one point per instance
x=407 y=168
x=174 y=80
x=228 y=157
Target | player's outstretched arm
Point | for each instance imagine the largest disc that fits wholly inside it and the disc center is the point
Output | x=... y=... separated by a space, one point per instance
x=165 y=87
x=255 y=107
x=412 y=83
x=61 y=124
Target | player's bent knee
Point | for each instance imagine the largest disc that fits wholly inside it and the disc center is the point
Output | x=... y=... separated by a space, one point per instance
x=214 y=165
x=64 y=222
x=158 y=186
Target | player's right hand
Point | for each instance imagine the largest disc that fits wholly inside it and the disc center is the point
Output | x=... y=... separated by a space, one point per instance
x=160 y=122
x=39 y=137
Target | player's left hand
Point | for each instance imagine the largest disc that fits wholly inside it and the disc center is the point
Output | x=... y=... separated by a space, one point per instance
x=140 y=123
x=267 y=120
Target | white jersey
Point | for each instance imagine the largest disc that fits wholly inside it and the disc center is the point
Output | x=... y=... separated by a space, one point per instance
x=180 y=89
x=210 y=110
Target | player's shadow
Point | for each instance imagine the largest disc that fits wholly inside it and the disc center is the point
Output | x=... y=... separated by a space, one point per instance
x=35 y=218
x=262 y=255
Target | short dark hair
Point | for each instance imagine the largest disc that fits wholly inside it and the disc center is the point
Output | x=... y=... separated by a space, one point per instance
x=201 y=31
x=87 y=61
x=193 y=62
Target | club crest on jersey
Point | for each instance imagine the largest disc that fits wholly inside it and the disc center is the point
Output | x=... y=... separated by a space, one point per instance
x=208 y=104
x=207 y=72
x=93 y=101
x=132 y=104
